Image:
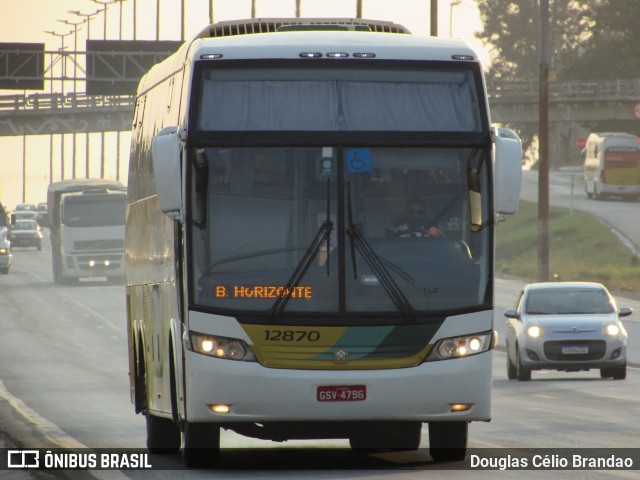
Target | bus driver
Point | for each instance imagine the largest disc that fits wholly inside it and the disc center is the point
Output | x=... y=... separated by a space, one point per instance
x=413 y=223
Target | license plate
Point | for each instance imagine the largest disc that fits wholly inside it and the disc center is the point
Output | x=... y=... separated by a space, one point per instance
x=342 y=393
x=575 y=350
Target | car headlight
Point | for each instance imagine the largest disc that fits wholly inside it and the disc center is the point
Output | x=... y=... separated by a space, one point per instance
x=535 y=331
x=3 y=251
x=464 y=346
x=611 y=330
x=218 y=347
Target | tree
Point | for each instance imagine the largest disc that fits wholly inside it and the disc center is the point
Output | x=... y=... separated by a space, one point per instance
x=611 y=50
x=511 y=30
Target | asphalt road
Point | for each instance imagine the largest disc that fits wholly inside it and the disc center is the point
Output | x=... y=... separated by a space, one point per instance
x=63 y=367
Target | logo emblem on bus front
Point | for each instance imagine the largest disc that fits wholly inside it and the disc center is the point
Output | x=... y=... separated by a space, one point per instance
x=341 y=356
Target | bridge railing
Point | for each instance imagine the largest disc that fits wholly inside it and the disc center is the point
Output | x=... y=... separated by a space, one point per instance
x=507 y=92
x=571 y=90
x=45 y=102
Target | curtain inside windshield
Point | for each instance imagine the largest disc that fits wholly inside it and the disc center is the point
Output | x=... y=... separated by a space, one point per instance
x=338 y=100
x=272 y=232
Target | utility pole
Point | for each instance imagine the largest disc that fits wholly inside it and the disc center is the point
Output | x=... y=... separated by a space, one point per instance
x=135 y=19
x=543 y=136
x=105 y=4
x=298 y=8
x=63 y=75
x=87 y=17
x=182 y=15
x=75 y=86
x=359 y=9
x=157 y=20
x=434 y=18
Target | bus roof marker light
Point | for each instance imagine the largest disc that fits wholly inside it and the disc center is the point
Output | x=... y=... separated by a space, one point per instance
x=211 y=56
x=310 y=54
x=466 y=58
x=337 y=55
x=364 y=55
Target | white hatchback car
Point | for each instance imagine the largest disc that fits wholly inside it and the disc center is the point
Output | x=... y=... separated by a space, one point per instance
x=567 y=326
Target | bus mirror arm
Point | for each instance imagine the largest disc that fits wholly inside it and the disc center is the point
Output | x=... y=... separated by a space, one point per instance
x=166 y=152
x=507 y=170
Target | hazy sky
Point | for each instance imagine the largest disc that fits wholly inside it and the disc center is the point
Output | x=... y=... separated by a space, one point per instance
x=27 y=21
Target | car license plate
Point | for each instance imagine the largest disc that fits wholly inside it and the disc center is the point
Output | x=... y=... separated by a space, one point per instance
x=575 y=350
x=342 y=393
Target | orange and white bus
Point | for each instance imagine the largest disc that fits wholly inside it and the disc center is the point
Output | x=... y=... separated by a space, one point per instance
x=612 y=165
x=264 y=294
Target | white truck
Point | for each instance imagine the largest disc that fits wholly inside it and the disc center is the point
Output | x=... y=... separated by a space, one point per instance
x=87 y=229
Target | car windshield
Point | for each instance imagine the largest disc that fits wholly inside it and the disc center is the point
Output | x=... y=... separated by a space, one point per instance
x=25 y=226
x=25 y=208
x=566 y=301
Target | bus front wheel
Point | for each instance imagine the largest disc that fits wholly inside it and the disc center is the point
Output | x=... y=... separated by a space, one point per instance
x=200 y=444
x=387 y=436
x=163 y=436
x=448 y=441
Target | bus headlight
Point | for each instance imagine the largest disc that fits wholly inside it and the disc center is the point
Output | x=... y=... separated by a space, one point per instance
x=219 y=347
x=465 y=346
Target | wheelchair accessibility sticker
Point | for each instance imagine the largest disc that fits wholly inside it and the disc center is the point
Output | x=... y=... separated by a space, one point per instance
x=358 y=160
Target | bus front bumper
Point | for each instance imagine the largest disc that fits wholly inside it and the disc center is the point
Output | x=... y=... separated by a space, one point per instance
x=448 y=390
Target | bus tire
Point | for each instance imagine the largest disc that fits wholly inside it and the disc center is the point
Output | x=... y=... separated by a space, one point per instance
x=394 y=437
x=448 y=441
x=586 y=189
x=163 y=436
x=200 y=444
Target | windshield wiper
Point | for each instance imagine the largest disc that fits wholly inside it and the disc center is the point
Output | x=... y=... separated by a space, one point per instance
x=323 y=235
x=376 y=263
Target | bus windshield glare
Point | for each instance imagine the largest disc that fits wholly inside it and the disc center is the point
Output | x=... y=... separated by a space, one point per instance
x=280 y=230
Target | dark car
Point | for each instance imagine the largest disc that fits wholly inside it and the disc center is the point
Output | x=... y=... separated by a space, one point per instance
x=42 y=217
x=25 y=211
x=26 y=233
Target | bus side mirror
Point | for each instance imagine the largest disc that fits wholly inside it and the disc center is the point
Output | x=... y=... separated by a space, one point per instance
x=507 y=170
x=166 y=152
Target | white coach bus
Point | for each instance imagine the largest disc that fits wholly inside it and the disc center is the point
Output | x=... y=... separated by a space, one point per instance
x=310 y=238
x=612 y=165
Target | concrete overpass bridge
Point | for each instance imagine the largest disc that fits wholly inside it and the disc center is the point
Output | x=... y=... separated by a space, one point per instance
x=569 y=101
x=58 y=113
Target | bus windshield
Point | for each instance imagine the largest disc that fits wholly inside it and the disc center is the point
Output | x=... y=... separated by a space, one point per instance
x=284 y=230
